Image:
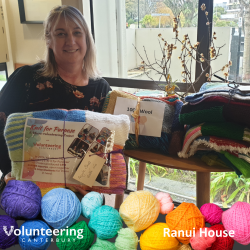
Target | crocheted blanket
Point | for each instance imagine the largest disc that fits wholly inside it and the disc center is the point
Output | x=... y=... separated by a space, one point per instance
x=215 y=109
x=221 y=136
x=172 y=132
x=14 y=130
x=218 y=89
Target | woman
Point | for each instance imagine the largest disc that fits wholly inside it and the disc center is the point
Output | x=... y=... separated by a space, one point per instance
x=68 y=77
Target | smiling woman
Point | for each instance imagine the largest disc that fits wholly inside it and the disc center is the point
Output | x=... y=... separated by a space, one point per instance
x=67 y=78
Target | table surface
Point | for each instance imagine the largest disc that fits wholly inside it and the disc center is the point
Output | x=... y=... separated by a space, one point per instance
x=192 y=163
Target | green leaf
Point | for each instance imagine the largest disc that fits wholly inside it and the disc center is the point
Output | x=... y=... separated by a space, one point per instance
x=232 y=196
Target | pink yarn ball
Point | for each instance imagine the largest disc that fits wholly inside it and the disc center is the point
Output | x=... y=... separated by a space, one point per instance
x=166 y=202
x=203 y=239
x=237 y=219
x=212 y=213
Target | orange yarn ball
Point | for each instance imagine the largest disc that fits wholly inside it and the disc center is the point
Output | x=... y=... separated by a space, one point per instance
x=185 y=219
x=154 y=238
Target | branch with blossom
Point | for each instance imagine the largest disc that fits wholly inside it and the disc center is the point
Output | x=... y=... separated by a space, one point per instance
x=189 y=54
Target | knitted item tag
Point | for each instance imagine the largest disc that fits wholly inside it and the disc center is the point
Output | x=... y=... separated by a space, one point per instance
x=89 y=169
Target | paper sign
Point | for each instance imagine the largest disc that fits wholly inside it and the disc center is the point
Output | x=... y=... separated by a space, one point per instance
x=151 y=115
x=89 y=169
x=45 y=145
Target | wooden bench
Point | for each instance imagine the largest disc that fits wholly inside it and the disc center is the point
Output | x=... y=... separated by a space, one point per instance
x=192 y=164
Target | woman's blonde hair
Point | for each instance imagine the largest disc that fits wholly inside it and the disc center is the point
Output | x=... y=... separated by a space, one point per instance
x=69 y=13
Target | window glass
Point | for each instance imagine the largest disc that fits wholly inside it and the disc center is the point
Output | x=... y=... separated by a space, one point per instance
x=231 y=18
x=2 y=79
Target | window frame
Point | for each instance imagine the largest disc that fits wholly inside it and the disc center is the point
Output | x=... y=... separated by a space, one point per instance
x=202 y=37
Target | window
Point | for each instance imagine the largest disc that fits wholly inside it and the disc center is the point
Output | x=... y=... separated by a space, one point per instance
x=3 y=74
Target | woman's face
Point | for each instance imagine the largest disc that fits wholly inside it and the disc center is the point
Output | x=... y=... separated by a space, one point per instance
x=68 y=42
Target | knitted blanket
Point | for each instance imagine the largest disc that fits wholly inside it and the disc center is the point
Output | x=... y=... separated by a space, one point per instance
x=231 y=138
x=215 y=109
x=172 y=132
x=220 y=89
x=14 y=138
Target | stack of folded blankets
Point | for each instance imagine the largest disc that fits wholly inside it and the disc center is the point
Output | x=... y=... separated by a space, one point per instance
x=172 y=132
x=218 y=126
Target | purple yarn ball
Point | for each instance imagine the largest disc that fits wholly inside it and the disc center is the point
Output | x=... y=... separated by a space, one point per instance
x=21 y=199
x=7 y=224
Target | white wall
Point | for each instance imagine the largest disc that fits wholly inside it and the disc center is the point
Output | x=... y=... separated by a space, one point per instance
x=149 y=39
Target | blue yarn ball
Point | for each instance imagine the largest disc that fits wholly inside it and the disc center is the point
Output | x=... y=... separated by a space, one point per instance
x=90 y=202
x=31 y=239
x=60 y=208
x=105 y=222
x=21 y=199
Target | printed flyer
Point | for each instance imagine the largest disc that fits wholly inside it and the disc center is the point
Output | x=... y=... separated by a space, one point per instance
x=46 y=142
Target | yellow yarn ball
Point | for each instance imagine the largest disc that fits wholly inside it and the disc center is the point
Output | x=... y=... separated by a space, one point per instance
x=140 y=210
x=153 y=238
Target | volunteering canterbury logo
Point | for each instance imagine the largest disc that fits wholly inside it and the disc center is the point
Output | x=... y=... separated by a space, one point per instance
x=36 y=232
x=8 y=233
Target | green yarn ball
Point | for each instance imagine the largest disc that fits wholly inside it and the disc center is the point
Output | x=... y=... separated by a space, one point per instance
x=103 y=245
x=126 y=240
x=79 y=240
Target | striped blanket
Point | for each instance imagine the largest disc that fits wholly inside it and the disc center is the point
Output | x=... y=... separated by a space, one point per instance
x=14 y=131
x=172 y=132
x=221 y=136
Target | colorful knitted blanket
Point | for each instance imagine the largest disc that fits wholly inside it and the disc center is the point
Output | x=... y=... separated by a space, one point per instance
x=172 y=132
x=216 y=136
x=14 y=131
x=215 y=109
x=218 y=89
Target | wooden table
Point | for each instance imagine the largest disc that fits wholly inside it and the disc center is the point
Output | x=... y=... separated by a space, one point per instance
x=191 y=164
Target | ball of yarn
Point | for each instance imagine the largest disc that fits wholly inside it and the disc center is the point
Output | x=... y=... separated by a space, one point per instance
x=140 y=210
x=21 y=199
x=222 y=242
x=236 y=219
x=186 y=217
x=60 y=208
x=103 y=244
x=126 y=240
x=32 y=239
x=166 y=202
x=153 y=238
x=81 y=239
x=105 y=222
x=212 y=213
x=203 y=239
x=185 y=247
x=6 y=225
x=90 y=202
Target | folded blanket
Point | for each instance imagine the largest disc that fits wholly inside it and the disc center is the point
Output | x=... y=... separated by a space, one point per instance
x=215 y=109
x=192 y=144
x=14 y=138
x=172 y=132
x=213 y=158
x=218 y=89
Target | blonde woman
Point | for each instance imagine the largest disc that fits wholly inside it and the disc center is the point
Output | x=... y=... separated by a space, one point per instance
x=67 y=78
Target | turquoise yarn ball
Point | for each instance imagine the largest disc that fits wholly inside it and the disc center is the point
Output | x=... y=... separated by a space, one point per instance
x=90 y=202
x=105 y=222
x=60 y=208
x=34 y=238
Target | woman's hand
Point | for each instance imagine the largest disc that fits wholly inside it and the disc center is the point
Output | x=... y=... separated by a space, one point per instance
x=8 y=177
